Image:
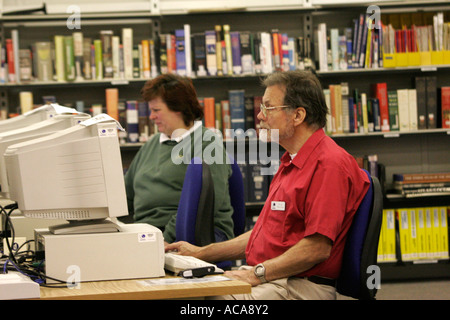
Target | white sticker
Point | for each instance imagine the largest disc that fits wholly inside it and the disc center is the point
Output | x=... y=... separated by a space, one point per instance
x=103 y=117
x=107 y=132
x=146 y=237
x=278 y=205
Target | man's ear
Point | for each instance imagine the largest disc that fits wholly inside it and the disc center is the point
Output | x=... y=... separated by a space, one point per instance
x=299 y=115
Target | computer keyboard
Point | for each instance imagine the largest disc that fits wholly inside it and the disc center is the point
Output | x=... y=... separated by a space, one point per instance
x=14 y=285
x=176 y=263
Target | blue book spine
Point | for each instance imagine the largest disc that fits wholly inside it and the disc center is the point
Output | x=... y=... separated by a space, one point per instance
x=237 y=109
x=376 y=114
x=132 y=121
x=362 y=54
x=180 y=52
x=236 y=52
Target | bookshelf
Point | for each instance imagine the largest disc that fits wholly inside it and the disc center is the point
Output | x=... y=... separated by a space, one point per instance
x=414 y=151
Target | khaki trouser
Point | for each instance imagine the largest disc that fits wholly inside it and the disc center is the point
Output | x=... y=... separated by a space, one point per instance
x=286 y=289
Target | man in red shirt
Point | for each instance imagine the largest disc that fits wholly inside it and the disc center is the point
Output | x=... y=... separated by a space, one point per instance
x=295 y=249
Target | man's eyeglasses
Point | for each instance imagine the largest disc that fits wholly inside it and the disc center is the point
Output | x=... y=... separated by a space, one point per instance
x=264 y=109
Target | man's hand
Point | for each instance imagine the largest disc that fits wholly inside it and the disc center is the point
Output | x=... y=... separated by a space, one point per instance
x=183 y=248
x=246 y=275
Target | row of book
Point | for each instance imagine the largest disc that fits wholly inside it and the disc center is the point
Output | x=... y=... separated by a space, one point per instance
x=385 y=110
x=370 y=43
x=77 y=57
x=422 y=234
x=422 y=184
x=219 y=51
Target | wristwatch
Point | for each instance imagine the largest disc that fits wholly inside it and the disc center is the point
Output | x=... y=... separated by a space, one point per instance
x=260 y=272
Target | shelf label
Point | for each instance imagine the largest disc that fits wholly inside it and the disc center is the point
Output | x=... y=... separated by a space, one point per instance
x=391 y=135
x=119 y=82
x=428 y=68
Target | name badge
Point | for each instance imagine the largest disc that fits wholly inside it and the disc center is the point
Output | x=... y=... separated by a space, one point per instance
x=278 y=205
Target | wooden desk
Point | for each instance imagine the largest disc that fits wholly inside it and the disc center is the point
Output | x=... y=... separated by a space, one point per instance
x=135 y=290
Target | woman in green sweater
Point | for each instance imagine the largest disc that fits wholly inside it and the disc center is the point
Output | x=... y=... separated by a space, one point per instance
x=155 y=177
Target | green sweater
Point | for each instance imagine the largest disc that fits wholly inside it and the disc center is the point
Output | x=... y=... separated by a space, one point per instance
x=154 y=182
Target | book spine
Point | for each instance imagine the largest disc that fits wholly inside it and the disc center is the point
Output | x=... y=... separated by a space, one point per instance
x=236 y=52
x=431 y=102
x=15 y=44
x=246 y=52
x=146 y=58
x=78 y=54
x=188 y=49
x=127 y=42
x=209 y=108
x=199 y=45
x=59 y=58
x=132 y=121
x=403 y=109
x=44 y=61
x=445 y=107
x=393 y=110
x=180 y=51
x=143 y=121
x=98 y=59
x=87 y=68
x=69 y=58
x=219 y=58
x=412 y=100
x=237 y=109
x=228 y=51
x=420 y=84
x=107 y=59
x=112 y=102
x=226 y=118
x=211 y=53
x=380 y=92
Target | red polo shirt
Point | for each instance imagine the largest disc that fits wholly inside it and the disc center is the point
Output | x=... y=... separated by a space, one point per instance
x=318 y=191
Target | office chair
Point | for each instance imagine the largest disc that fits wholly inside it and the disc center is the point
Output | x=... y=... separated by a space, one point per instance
x=361 y=246
x=195 y=216
x=236 y=189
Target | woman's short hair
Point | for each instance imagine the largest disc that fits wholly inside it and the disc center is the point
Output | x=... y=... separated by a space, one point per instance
x=177 y=92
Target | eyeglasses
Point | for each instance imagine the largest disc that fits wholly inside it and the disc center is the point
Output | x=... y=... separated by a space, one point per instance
x=264 y=108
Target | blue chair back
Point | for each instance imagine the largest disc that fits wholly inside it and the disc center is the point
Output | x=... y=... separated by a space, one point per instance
x=195 y=215
x=236 y=188
x=361 y=246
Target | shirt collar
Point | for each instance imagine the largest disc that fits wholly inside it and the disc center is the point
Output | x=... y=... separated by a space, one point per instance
x=179 y=134
x=304 y=152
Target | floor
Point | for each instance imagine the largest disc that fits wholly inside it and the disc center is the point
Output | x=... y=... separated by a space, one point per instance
x=413 y=290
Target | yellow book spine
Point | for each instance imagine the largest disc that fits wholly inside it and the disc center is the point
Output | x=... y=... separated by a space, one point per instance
x=404 y=234
x=382 y=240
x=436 y=232
x=390 y=236
x=429 y=233
x=413 y=233
x=227 y=38
x=421 y=237
x=443 y=227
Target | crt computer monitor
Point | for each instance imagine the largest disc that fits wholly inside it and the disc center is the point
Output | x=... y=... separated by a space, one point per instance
x=74 y=174
x=53 y=124
x=39 y=114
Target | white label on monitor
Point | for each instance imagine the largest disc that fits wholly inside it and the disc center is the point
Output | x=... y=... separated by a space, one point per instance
x=146 y=237
x=101 y=118
x=107 y=132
